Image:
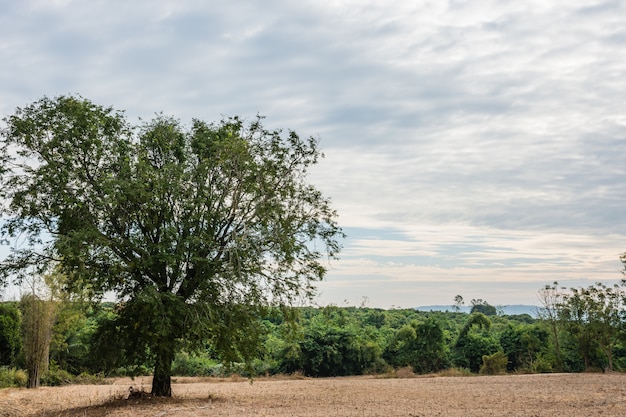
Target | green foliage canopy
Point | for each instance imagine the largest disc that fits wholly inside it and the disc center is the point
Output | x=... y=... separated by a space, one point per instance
x=594 y=317
x=475 y=341
x=420 y=345
x=523 y=344
x=10 y=337
x=481 y=306
x=332 y=344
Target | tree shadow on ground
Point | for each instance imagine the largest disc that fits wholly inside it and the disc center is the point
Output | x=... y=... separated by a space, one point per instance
x=136 y=400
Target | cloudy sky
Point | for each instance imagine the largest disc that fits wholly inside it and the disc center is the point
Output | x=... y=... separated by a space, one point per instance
x=472 y=147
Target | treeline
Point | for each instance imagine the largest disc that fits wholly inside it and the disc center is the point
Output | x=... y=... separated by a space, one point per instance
x=577 y=330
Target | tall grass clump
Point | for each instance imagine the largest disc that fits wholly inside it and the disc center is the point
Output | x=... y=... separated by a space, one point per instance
x=452 y=372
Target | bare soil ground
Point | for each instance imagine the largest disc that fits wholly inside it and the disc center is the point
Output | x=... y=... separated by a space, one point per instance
x=511 y=395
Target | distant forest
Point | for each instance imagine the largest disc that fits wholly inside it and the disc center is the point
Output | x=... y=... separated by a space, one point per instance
x=577 y=330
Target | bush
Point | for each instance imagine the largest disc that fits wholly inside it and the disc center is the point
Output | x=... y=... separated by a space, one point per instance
x=494 y=364
x=192 y=365
x=89 y=379
x=542 y=366
x=10 y=377
x=379 y=367
x=55 y=377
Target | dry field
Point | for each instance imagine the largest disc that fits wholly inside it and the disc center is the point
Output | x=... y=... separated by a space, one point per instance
x=518 y=395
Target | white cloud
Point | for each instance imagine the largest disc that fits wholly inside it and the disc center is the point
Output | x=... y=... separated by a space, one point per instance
x=494 y=125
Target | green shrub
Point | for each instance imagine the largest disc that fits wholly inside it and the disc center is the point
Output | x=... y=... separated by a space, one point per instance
x=192 y=365
x=55 y=377
x=378 y=367
x=262 y=367
x=475 y=340
x=10 y=377
x=494 y=364
x=130 y=371
x=186 y=364
x=542 y=366
x=89 y=379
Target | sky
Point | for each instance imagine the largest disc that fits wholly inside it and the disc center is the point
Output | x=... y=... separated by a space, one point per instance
x=472 y=147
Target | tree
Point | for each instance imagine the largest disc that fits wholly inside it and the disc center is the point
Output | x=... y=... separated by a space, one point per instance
x=594 y=317
x=523 y=344
x=471 y=345
x=38 y=319
x=551 y=298
x=197 y=230
x=329 y=350
x=419 y=345
x=331 y=343
x=458 y=303
x=606 y=311
x=577 y=316
x=481 y=306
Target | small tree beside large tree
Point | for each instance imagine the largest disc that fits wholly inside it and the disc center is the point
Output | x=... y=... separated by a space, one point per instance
x=39 y=315
x=196 y=229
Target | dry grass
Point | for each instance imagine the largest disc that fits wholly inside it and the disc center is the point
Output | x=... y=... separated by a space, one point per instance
x=406 y=372
x=509 y=395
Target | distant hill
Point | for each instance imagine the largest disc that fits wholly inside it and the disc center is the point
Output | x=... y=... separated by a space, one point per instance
x=508 y=310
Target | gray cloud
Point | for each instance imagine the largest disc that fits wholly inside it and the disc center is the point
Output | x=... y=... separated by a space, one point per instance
x=486 y=117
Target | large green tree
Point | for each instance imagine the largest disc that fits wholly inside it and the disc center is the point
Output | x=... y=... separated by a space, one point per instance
x=196 y=228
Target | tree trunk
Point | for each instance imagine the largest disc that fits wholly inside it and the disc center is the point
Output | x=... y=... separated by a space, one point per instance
x=33 y=377
x=162 y=380
x=557 y=349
